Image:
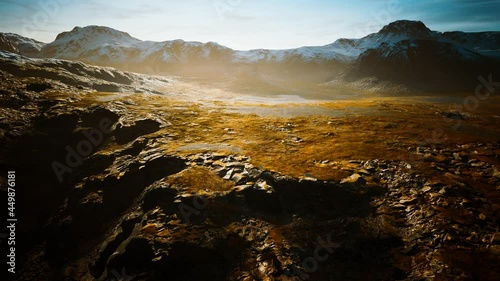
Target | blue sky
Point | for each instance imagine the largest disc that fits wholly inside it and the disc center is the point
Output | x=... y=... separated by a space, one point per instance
x=244 y=24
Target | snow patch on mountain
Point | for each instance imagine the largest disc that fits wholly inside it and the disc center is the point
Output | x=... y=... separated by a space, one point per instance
x=98 y=43
x=104 y=45
x=485 y=43
x=24 y=45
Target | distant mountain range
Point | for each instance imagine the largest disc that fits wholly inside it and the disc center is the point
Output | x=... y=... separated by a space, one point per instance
x=404 y=52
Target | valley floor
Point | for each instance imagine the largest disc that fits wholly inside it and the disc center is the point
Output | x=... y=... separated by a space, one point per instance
x=251 y=188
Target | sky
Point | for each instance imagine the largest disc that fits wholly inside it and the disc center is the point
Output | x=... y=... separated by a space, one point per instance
x=244 y=24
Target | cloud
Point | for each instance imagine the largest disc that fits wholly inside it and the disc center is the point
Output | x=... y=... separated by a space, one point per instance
x=6 y=4
x=463 y=14
x=252 y=23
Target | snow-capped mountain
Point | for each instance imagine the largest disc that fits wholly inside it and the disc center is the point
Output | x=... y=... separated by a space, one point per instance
x=486 y=43
x=109 y=46
x=342 y=50
x=401 y=51
x=349 y=50
x=6 y=45
x=413 y=55
x=25 y=46
x=100 y=44
x=105 y=45
x=90 y=42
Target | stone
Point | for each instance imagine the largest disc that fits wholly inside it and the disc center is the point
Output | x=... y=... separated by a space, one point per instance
x=495 y=173
x=472 y=161
x=364 y=172
x=440 y=158
x=429 y=213
x=408 y=200
x=239 y=178
x=435 y=195
x=129 y=132
x=382 y=165
x=235 y=165
x=221 y=171
x=229 y=174
x=399 y=206
x=262 y=184
x=478 y=164
x=428 y=157
x=150 y=228
x=354 y=178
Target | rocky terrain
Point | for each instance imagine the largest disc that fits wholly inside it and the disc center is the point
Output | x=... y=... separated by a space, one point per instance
x=118 y=181
x=76 y=74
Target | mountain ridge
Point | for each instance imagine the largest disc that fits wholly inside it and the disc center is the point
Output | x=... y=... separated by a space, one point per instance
x=101 y=41
x=384 y=54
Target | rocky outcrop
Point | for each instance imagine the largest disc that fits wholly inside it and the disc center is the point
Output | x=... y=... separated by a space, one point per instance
x=426 y=65
x=127 y=133
x=274 y=226
x=21 y=45
x=6 y=45
x=73 y=74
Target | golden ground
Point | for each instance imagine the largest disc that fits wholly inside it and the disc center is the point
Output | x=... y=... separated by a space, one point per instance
x=316 y=146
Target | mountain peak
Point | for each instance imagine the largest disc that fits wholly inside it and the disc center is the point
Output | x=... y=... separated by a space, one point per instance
x=6 y=45
x=409 y=27
x=93 y=30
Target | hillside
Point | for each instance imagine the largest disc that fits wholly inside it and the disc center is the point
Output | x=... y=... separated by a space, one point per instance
x=403 y=52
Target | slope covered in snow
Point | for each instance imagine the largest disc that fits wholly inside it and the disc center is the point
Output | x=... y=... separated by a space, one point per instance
x=395 y=46
x=412 y=55
x=104 y=44
x=100 y=44
x=343 y=50
x=23 y=45
x=485 y=43
x=6 y=45
x=88 y=42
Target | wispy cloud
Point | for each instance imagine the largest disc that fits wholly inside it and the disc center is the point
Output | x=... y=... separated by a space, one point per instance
x=250 y=24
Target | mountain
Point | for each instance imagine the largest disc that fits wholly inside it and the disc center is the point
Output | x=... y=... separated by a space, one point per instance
x=6 y=44
x=486 y=43
x=426 y=60
x=22 y=45
x=97 y=43
x=76 y=74
x=108 y=46
x=401 y=52
x=103 y=44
